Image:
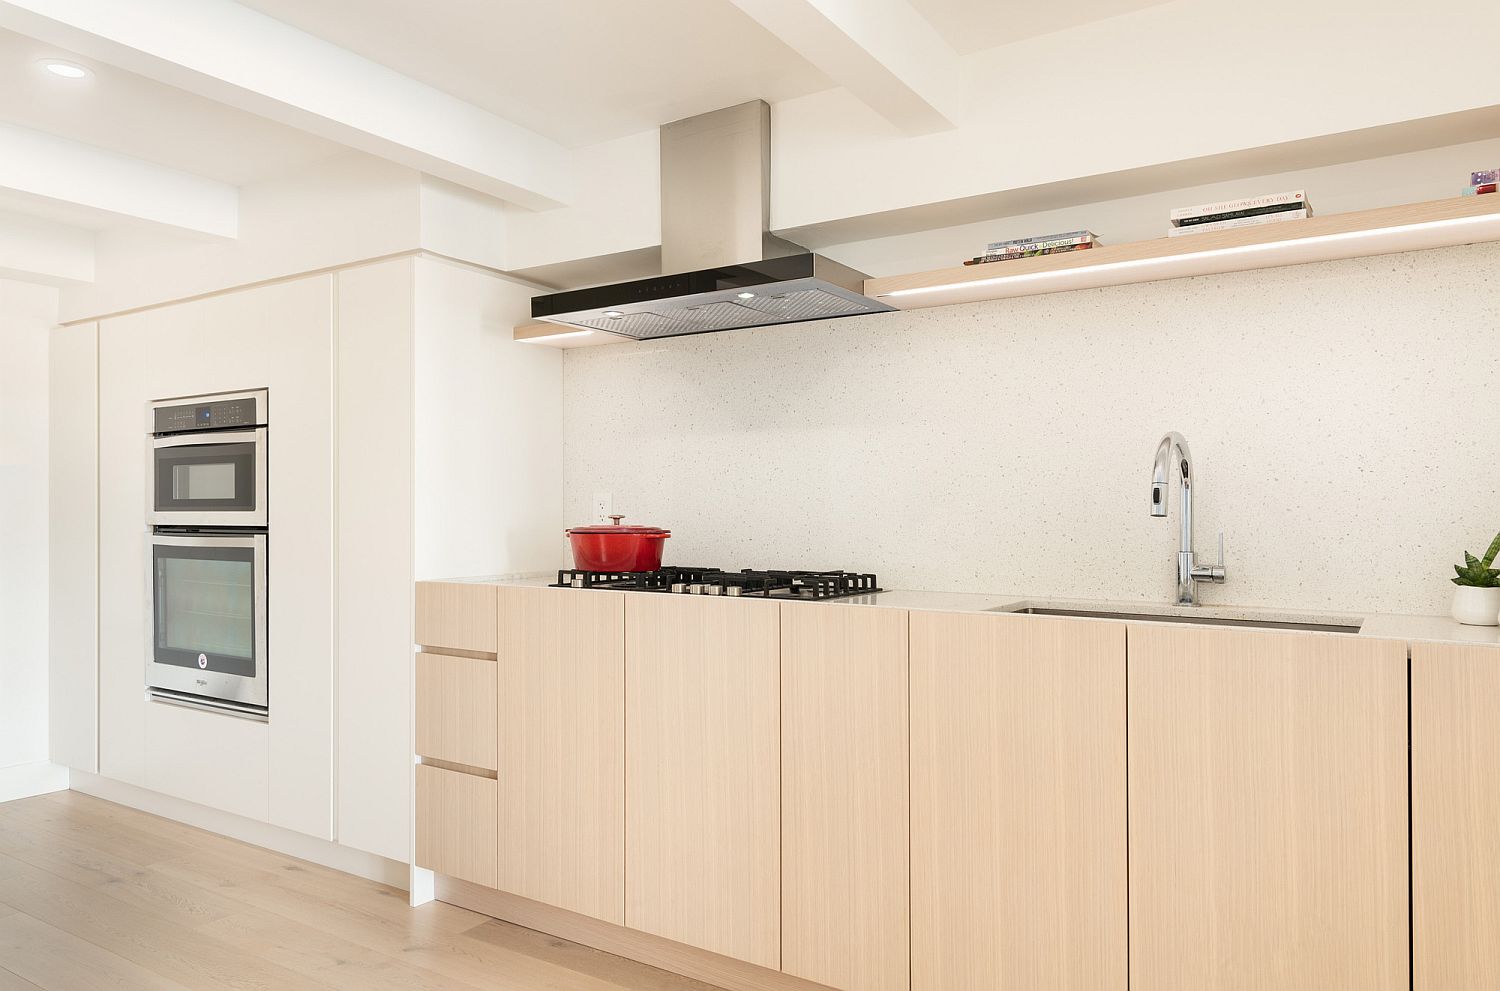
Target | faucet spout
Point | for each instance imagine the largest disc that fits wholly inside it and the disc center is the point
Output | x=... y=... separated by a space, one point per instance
x=1174 y=459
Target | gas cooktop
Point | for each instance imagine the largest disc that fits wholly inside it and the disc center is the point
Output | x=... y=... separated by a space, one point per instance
x=711 y=581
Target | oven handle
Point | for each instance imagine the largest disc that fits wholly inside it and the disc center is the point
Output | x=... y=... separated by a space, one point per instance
x=255 y=540
x=205 y=437
x=169 y=697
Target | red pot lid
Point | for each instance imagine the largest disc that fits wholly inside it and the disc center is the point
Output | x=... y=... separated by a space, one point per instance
x=647 y=531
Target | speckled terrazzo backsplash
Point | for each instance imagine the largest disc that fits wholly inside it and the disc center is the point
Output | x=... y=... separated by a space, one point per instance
x=1342 y=417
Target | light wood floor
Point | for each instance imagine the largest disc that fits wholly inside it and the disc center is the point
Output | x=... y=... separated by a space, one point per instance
x=96 y=895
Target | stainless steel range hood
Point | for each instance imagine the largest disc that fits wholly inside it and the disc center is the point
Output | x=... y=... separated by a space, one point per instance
x=715 y=220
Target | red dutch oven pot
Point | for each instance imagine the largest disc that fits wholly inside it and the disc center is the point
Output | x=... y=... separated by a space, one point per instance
x=617 y=548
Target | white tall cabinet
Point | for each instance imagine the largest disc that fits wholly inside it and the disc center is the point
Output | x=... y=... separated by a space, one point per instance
x=277 y=337
x=374 y=618
x=73 y=517
x=354 y=361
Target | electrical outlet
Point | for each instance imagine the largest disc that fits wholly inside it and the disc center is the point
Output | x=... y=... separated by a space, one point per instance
x=602 y=507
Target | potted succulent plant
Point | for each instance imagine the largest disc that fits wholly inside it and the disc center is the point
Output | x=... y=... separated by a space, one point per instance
x=1476 y=602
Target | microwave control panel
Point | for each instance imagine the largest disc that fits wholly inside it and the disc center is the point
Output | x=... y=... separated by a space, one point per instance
x=208 y=414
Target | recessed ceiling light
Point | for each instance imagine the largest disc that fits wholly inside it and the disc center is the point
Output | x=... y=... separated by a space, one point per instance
x=747 y=295
x=68 y=70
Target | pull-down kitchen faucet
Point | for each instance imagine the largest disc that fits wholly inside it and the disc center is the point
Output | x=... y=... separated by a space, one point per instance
x=1189 y=571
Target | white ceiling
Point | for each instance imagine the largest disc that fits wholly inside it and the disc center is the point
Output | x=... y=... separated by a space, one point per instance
x=977 y=25
x=577 y=71
x=129 y=114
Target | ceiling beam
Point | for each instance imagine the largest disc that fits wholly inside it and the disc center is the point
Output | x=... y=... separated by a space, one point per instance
x=34 y=250
x=243 y=58
x=882 y=51
x=58 y=170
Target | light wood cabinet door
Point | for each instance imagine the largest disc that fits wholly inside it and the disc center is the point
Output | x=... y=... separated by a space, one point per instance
x=1018 y=822
x=456 y=824
x=1455 y=753
x=844 y=797
x=456 y=616
x=562 y=748
x=702 y=773
x=1268 y=811
x=456 y=710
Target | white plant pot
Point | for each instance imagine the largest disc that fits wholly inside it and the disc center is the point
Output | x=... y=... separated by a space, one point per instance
x=1476 y=606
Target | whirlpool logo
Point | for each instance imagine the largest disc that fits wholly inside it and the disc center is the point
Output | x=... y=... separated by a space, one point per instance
x=203 y=662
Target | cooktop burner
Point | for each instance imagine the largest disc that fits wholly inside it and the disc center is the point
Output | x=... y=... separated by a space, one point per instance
x=712 y=581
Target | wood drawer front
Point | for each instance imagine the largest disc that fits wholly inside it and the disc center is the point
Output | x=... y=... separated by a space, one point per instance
x=457 y=615
x=457 y=824
x=456 y=709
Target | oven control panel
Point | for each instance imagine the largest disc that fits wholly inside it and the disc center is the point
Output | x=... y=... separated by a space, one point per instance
x=208 y=414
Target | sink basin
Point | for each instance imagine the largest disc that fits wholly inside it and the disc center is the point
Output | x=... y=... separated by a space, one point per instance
x=1331 y=626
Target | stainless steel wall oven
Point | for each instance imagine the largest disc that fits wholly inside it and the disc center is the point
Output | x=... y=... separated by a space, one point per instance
x=207 y=553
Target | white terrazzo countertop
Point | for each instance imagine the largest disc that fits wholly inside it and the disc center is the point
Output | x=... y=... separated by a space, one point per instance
x=1419 y=629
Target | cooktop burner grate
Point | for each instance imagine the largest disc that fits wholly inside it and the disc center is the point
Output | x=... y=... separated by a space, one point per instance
x=807 y=585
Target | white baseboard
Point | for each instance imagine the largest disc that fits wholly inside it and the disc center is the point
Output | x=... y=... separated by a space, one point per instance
x=261 y=834
x=25 y=780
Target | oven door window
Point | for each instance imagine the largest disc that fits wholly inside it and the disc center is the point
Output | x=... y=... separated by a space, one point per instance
x=205 y=608
x=205 y=477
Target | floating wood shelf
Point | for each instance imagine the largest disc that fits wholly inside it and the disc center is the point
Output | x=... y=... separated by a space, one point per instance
x=1440 y=223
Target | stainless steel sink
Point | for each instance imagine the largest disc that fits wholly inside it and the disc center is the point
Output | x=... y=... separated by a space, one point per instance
x=1331 y=626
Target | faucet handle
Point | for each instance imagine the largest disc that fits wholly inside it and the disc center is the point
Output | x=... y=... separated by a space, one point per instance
x=1212 y=572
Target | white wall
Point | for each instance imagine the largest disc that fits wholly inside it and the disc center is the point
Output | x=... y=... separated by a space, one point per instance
x=488 y=437
x=27 y=314
x=1174 y=82
x=337 y=212
x=1340 y=414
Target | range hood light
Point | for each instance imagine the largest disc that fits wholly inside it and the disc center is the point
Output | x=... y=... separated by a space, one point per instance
x=613 y=314
x=746 y=295
x=541 y=338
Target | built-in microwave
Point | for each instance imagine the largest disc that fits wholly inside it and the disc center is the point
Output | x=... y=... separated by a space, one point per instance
x=207 y=464
x=206 y=552
x=207 y=623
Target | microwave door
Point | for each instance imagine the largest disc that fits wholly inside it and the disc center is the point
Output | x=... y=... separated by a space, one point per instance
x=216 y=479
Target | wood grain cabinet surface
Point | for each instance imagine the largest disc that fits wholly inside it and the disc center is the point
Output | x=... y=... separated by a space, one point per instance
x=1268 y=811
x=845 y=811
x=702 y=774
x=457 y=616
x=456 y=824
x=1455 y=753
x=1018 y=820
x=562 y=748
x=456 y=709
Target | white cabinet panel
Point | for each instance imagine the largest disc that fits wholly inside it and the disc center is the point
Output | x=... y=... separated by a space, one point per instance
x=374 y=609
x=278 y=337
x=209 y=758
x=294 y=323
x=125 y=349
x=73 y=576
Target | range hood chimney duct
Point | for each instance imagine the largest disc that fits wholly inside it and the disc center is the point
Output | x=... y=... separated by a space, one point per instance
x=716 y=190
x=715 y=229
